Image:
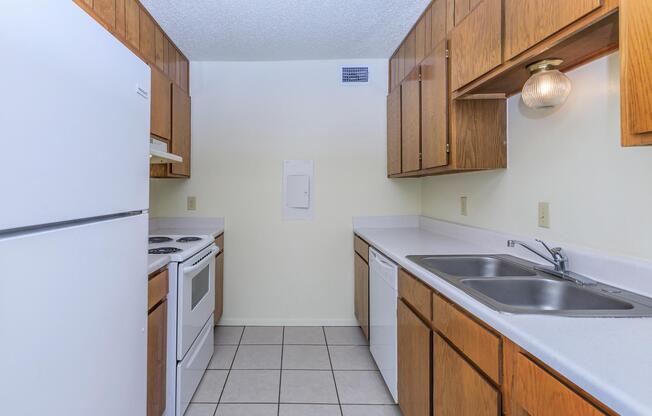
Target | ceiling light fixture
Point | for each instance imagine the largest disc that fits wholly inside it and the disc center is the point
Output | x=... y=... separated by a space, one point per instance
x=547 y=87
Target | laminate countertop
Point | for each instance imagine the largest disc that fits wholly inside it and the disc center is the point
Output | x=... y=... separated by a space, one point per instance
x=610 y=358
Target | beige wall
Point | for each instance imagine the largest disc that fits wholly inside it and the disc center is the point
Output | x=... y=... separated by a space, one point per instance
x=599 y=192
x=246 y=119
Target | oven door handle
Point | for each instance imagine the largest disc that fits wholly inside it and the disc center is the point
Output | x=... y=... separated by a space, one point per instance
x=210 y=256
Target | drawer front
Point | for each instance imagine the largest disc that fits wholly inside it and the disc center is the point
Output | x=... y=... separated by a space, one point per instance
x=415 y=293
x=478 y=343
x=538 y=393
x=361 y=247
x=157 y=288
x=219 y=241
x=191 y=369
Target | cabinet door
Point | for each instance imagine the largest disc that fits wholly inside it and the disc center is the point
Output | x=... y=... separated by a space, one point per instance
x=147 y=37
x=362 y=294
x=105 y=10
x=413 y=363
x=635 y=74
x=538 y=393
x=219 y=286
x=527 y=22
x=132 y=21
x=180 y=130
x=438 y=22
x=434 y=108
x=411 y=122
x=120 y=24
x=420 y=39
x=394 y=131
x=156 y=357
x=160 y=49
x=410 y=53
x=462 y=9
x=161 y=105
x=476 y=43
x=458 y=389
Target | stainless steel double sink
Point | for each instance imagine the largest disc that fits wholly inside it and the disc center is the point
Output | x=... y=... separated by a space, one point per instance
x=509 y=284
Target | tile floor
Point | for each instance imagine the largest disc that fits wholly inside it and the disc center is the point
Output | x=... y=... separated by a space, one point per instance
x=291 y=371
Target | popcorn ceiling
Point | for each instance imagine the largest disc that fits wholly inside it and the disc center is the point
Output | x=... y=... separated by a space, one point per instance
x=270 y=30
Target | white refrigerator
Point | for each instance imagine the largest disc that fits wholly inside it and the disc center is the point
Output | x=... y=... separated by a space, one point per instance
x=74 y=135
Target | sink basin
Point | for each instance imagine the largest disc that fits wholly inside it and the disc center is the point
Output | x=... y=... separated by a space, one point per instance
x=545 y=295
x=472 y=266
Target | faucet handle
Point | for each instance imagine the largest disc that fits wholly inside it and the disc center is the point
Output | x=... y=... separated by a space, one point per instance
x=553 y=251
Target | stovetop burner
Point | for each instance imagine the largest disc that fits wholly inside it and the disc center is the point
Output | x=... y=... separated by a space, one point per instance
x=163 y=250
x=154 y=240
x=188 y=239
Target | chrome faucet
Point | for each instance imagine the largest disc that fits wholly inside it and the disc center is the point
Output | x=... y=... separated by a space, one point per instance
x=557 y=256
x=558 y=259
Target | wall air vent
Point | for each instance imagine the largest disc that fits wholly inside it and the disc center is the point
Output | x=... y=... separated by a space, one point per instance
x=355 y=74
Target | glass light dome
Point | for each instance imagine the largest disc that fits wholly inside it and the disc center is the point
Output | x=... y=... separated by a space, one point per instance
x=547 y=87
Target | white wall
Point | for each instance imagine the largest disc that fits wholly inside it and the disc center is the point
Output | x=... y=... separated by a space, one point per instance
x=246 y=119
x=599 y=192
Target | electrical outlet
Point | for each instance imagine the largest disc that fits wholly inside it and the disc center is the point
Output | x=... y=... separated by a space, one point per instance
x=464 y=209
x=192 y=203
x=544 y=215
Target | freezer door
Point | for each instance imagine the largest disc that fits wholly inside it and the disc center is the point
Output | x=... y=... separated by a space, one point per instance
x=73 y=319
x=74 y=126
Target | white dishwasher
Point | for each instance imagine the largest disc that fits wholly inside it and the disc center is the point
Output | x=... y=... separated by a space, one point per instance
x=383 y=292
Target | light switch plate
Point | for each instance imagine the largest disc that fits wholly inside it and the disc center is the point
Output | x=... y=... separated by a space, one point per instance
x=544 y=215
x=192 y=203
x=464 y=208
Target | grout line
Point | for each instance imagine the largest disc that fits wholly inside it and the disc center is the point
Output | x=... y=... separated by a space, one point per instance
x=328 y=350
x=219 y=399
x=280 y=375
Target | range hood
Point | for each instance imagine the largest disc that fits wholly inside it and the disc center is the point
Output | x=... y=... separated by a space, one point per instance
x=158 y=153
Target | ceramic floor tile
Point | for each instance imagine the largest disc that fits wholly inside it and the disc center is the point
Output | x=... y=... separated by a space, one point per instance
x=309 y=410
x=263 y=335
x=258 y=357
x=252 y=386
x=370 y=410
x=210 y=387
x=345 y=335
x=348 y=357
x=302 y=386
x=306 y=357
x=304 y=335
x=200 y=409
x=247 y=410
x=362 y=387
x=222 y=357
x=228 y=335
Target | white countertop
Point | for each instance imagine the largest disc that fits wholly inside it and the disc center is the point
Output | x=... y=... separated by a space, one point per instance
x=180 y=226
x=609 y=358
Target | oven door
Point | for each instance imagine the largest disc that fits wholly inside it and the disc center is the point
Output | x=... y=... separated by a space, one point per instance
x=196 y=297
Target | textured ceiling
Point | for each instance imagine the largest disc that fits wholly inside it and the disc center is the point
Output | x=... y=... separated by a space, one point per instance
x=266 y=30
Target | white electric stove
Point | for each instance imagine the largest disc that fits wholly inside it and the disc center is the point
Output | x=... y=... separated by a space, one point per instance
x=191 y=303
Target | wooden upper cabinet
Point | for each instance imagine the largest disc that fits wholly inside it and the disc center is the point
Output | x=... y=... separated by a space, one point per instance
x=180 y=131
x=147 y=37
x=161 y=105
x=538 y=393
x=161 y=46
x=120 y=23
x=105 y=11
x=476 y=43
x=458 y=389
x=172 y=61
x=635 y=74
x=361 y=285
x=420 y=40
x=527 y=22
x=434 y=108
x=462 y=9
x=411 y=122
x=409 y=53
x=183 y=73
x=394 y=131
x=132 y=21
x=413 y=363
x=438 y=22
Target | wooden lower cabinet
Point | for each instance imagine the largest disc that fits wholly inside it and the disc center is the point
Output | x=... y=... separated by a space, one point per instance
x=458 y=388
x=156 y=356
x=413 y=363
x=361 y=307
x=219 y=280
